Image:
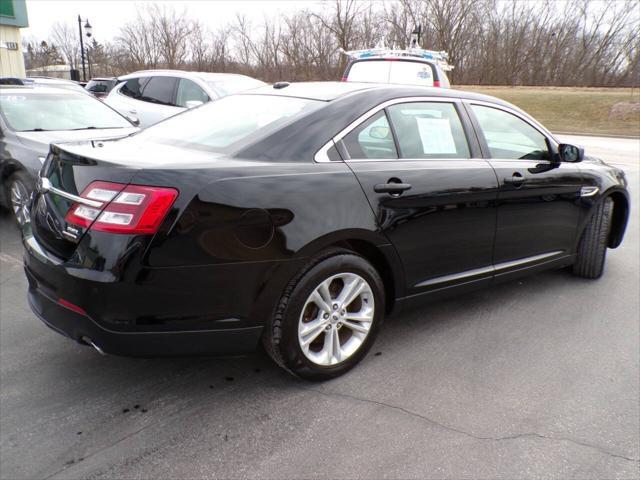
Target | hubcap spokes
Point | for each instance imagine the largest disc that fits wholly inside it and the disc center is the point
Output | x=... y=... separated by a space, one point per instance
x=19 y=196
x=336 y=319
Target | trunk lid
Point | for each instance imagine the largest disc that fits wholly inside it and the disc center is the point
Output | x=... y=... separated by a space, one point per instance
x=70 y=168
x=64 y=176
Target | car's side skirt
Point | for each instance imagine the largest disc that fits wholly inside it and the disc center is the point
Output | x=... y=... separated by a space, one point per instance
x=454 y=284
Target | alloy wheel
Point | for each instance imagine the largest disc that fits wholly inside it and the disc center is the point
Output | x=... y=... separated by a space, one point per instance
x=19 y=196
x=336 y=319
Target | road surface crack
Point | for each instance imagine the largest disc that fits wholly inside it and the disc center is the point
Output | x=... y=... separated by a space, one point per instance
x=470 y=434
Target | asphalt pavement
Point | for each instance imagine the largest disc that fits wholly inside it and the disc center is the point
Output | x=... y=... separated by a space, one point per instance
x=534 y=378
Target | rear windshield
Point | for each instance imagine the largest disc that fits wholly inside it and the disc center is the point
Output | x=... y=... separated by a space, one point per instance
x=216 y=126
x=392 y=71
x=231 y=85
x=27 y=112
x=100 y=86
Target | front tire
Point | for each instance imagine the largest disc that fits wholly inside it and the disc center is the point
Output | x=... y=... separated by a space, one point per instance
x=19 y=187
x=328 y=317
x=592 y=249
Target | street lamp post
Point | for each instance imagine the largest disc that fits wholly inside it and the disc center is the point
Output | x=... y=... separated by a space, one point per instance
x=88 y=29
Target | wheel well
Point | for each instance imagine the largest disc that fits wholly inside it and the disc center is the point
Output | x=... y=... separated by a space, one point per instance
x=619 y=218
x=379 y=261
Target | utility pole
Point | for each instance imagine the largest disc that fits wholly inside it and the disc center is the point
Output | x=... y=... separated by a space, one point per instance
x=84 y=73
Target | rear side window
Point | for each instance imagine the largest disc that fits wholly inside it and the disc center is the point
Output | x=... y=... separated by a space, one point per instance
x=159 y=90
x=371 y=140
x=429 y=130
x=133 y=87
x=189 y=91
x=510 y=137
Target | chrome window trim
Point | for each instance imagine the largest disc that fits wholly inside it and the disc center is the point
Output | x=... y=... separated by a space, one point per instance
x=321 y=155
x=44 y=185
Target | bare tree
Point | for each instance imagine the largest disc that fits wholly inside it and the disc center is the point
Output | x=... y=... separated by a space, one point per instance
x=66 y=38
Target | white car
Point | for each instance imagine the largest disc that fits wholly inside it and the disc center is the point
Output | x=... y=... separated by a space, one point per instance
x=153 y=95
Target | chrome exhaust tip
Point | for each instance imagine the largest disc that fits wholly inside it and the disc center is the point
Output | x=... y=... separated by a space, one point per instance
x=90 y=342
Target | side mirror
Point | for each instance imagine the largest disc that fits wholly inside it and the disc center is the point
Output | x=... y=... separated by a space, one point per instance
x=193 y=103
x=133 y=119
x=570 y=153
x=380 y=132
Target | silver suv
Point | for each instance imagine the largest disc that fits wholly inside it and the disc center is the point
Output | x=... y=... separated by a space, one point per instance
x=153 y=95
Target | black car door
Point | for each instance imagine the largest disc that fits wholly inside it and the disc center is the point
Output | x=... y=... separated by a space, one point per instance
x=434 y=197
x=538 y=200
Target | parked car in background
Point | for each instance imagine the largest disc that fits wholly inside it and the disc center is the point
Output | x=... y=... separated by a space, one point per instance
x=154 y=95
x=50 y=82
x=32 y=118
x=302 y=214
x=425 y=68
x=100 y=87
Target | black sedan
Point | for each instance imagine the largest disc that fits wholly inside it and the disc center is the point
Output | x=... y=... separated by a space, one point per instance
x=300 y=215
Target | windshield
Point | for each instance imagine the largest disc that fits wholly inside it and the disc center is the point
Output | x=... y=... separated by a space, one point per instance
x=231 y=85
x=215 y=126
x=26 y=112
x=396 y=71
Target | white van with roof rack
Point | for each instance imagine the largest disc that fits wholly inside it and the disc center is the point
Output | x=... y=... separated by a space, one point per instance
x=406 y=67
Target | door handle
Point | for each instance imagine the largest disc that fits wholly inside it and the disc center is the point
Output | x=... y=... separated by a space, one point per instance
x=516 y=179
x=391 y=188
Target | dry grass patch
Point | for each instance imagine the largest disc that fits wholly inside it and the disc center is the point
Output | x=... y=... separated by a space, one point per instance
x=575 y=110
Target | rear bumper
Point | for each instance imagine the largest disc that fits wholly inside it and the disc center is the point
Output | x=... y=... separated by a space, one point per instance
x=146 y=312
x=80 y=327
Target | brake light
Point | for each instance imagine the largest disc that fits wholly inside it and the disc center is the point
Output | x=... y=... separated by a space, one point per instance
x=127 y=209
x=436 y=83
x=343 y=79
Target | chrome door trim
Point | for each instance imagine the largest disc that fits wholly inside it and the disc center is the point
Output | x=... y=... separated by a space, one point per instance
x=321 y=155
x=486 y=272
x=44 y=186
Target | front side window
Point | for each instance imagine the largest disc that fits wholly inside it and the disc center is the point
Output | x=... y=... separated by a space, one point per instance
x=217 y=126
x=29 y=112
x=133 y=87
x=159 y=90
x=429 y=130
x=510 y=137
x=189 y=91
x=373 y=139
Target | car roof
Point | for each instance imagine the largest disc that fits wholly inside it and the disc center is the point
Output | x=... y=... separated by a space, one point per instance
x=395 y=58
x=323 y=91
x=28 y=89
x=329 y=91
x=180 y=73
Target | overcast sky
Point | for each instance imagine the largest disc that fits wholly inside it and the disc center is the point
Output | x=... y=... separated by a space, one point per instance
x=107 y=15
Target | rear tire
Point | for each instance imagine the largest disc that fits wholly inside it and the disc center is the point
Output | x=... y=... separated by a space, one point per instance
x=592 y=249
x=328 y=317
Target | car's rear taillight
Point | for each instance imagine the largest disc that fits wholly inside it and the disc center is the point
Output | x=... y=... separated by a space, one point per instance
x=128 y=209
x=344 y=79
x=436 y=83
